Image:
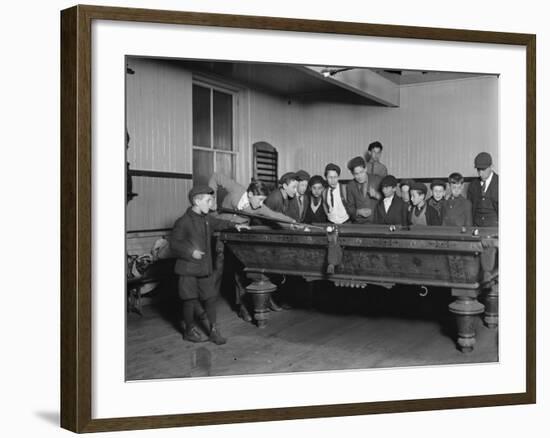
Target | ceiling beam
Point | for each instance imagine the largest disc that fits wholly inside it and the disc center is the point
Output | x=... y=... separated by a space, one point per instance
x=361 y=81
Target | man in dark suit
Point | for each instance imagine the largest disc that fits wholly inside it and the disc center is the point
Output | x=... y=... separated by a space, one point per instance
x=391 y=210
x=483 y=192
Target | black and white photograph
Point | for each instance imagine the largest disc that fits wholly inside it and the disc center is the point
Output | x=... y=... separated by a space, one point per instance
x=275 y=219
x=287 y=218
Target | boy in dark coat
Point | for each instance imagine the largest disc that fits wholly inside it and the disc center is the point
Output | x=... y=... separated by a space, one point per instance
x=422 y=213
x=191 y=242
x=437 y=200
x=362 y=192
x=315 y=212
x=302 y=195
x=457 y=210
x=391 y=210
x=282 y=198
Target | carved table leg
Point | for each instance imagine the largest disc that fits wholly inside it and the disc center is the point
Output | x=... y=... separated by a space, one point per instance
x=466 y=307
x=310 y=290
x=491 y=307
x=260 y=289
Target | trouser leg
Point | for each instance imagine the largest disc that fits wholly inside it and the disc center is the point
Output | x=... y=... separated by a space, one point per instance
x=210 y=308
x=189 y=312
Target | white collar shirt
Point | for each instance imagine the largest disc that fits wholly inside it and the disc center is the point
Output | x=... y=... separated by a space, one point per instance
x=337 y=214
x=387 y=203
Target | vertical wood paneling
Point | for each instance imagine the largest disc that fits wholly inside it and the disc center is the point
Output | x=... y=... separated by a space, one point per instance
x=159 y=203
x=159 y=123
x=438 y=129
x=159 y=116
x=275 y=121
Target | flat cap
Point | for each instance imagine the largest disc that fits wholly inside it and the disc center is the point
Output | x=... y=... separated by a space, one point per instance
x=483 y=160
x=406 y=182
x=355 y=162
x=200 y=190
x=287 y=177
x=388 y=181
x=317 y=179
x=437 y=182
x=302 y=175
x=419 y=187
x=332 y=166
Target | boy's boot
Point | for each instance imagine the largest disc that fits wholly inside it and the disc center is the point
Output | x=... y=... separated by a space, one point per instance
x=216 y=337
x=192 y=334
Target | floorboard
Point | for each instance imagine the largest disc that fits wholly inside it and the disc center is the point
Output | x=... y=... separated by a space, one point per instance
x=346 y=329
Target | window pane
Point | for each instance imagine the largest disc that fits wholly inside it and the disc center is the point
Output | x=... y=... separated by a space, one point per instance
x=201 y=116
x=203 y=166
x=223 y=121
x=225 y=163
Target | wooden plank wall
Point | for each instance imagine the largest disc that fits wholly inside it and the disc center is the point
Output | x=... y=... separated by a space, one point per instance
x=158 y=116
x=159 y=203
x=438 y=129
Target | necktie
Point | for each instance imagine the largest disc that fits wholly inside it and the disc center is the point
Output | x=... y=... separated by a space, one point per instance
x=364 y=189
x=332 y=198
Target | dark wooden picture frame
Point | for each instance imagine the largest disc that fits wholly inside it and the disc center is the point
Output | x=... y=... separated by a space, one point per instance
x=76 y=218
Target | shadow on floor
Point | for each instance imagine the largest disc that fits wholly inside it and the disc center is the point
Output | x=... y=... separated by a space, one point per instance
x=51 y=417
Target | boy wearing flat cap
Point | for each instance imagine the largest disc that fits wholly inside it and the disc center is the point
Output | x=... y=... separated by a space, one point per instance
x=437 y=199
x=483 y=192
x=315 y=213
x=362 y=192
x=391 y=210
x=335 y=198
x=302 y=197
x=280 y=199
x=422 y=213
x=191 y=241
x=457 y=210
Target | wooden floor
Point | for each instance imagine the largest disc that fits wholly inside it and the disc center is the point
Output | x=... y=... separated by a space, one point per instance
x=345 y=329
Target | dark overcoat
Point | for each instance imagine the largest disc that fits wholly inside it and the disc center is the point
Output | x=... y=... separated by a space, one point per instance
x=194 y=231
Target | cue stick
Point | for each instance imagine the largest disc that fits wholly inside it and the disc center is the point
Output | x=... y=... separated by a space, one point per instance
x=269 y=219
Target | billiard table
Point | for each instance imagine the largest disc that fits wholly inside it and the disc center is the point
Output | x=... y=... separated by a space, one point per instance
x=462 y=259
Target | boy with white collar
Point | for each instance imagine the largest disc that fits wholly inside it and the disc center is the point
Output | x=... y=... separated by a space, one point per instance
x=334 y=198
x=391 y=210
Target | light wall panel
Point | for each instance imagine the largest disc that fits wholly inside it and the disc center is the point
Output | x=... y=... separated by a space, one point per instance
x=158 y=116
x=438 y=129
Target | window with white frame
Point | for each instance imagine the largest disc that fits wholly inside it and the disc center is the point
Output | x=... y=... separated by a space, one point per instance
x=213 y=132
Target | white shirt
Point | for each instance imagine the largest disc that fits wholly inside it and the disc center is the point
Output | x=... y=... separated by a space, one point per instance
x=338 y=213
x=487 y=182
x=387 y=203
x=243 y=202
